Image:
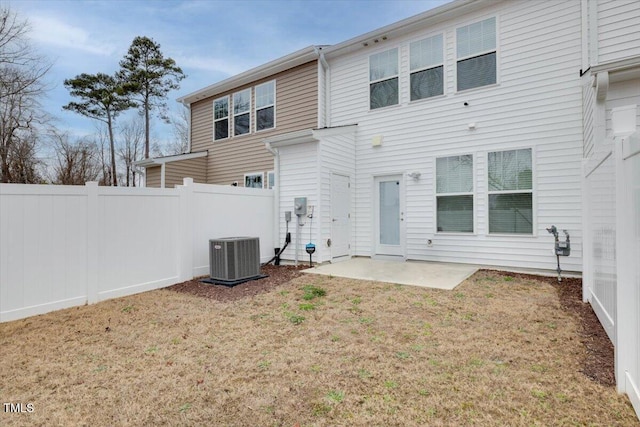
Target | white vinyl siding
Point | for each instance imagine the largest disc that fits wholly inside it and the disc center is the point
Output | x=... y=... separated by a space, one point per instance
x=221 y=118
x=540 y=109
x=383 y=79
x=476 y=54
x=426 y=64
x=454 y=189
x=242 y=112
x=266 y=106
x=618 y=29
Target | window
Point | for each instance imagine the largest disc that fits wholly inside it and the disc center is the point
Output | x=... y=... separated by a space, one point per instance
x=427 y=68
x=476 y=53
x=242 y=112
x=271 y=180
x=265 y=105
x=383 y=79
x=253 y=180
x=221 y=118
x=454 y=193
x=510 y=192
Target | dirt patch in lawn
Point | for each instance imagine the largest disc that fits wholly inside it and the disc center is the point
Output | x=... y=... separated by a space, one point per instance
x=276 y=275
x=500 y=349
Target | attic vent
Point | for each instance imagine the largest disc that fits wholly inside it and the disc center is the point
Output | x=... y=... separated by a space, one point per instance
x=234 y=258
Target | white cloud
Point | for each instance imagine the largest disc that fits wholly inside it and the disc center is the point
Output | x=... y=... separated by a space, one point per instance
x=53 y=32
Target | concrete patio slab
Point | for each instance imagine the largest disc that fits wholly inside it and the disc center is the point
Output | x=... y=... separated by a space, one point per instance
x=417 y=273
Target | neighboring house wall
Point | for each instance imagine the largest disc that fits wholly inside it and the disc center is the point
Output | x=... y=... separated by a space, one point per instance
x=618 y=29
x=536 y=103
x=152 y=176
x=175 y=172
x=296 y=105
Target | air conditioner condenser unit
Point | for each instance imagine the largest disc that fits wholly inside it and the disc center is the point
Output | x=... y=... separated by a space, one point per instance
x=233 y=260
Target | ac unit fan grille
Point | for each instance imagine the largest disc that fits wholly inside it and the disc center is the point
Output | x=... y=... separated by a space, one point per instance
x=234 y=258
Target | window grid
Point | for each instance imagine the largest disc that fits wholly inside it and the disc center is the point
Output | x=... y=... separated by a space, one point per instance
x=383 y=79
x=221 y=118
x=242 y=112
x=455 y=210
x=476 y=54
x=510 y=209
x=254 y=180
x=426 y=68
x=265 y=105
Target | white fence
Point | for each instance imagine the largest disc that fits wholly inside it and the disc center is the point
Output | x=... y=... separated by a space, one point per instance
x=611 y=275
x=62 y=246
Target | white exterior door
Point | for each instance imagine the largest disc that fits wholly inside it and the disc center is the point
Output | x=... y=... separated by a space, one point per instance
x=340 y=217
x=389 y=215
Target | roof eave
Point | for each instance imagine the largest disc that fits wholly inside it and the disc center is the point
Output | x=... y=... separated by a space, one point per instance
x=168 y=159
x=405 y=26
x=284 y=63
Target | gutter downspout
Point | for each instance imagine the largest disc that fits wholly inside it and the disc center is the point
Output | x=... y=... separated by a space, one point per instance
x=327 y=88
x=162 y=174
x=276 y=192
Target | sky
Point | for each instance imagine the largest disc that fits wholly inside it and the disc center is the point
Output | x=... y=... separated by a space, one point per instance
x=210 y=40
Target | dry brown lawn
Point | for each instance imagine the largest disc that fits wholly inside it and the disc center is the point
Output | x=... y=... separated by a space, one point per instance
x=495 y=351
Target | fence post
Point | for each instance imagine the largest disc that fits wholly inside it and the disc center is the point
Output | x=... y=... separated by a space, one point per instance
x=185 y=231
x=92 y=241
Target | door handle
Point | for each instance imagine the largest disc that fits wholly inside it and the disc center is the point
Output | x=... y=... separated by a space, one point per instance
x=333 y=220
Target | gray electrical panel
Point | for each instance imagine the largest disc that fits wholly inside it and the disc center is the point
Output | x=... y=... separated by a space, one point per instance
x=300 y=206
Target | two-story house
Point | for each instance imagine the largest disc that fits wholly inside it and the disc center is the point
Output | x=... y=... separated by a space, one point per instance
x=454 y=135
x=229 y=120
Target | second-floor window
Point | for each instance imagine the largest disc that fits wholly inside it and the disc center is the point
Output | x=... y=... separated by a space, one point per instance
x=426 y=67
x=476 y=54
x=383 y=79
x=242 y=112
x=265 y=105
x=221 y=118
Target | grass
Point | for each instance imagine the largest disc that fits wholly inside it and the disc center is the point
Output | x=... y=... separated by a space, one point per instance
x=458 y=358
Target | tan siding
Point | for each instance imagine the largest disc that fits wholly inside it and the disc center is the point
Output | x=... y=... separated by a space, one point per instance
x=153 y=177
x=230 y=159
x=175 y=172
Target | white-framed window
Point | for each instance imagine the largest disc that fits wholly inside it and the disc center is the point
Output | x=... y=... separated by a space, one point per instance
x=454 y=194
x=271 y=180
x=266 y=105
x=254 y=180
x=383 y=79
x=426 y=65
x=242 y=112
x=476 y=54
x=510 y=184
x=221 y=118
